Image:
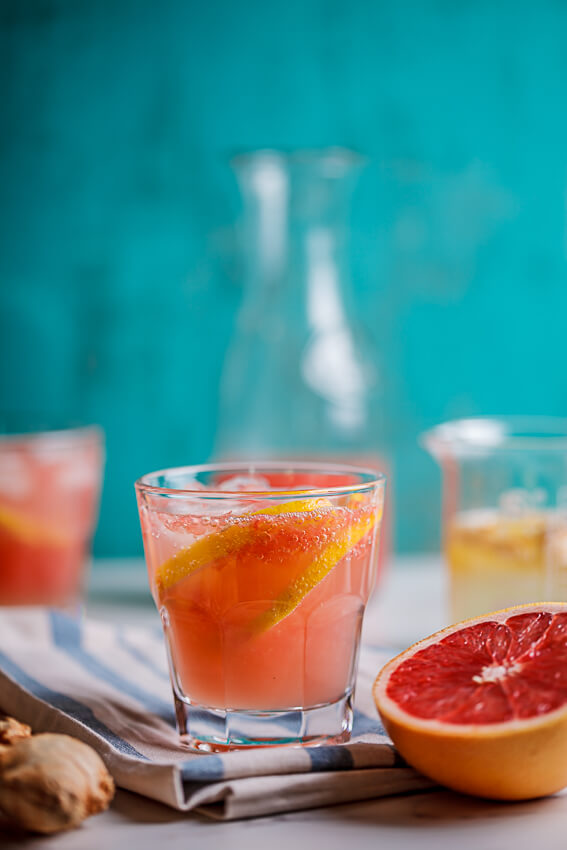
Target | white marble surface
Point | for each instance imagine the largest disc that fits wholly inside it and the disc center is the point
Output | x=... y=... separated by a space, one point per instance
x=409 y=605
x=435 y=821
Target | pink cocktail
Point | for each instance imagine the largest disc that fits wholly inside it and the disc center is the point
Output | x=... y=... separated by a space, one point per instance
x=49 y=494
x=261 y=578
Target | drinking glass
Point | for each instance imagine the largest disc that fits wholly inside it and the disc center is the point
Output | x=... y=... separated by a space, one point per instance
x=261 y=573
x=504 y=510
x=49 y=494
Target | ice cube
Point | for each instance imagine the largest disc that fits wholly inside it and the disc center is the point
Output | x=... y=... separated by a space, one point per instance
x=78 y=474
x=197 y=508
x=16 y=478
x=243 y=483
x=47 y=448
x=184 y=507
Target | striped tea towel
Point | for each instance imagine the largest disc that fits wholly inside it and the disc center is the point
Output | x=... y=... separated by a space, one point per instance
x=108 y=685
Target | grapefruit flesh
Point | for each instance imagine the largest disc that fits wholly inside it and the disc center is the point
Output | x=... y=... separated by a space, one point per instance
x=481 y=707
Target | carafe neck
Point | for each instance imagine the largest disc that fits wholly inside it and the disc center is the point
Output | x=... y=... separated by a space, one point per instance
x=294 y=232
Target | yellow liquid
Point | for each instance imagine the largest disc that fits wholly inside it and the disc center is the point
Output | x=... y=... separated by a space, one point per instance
x=496 y=561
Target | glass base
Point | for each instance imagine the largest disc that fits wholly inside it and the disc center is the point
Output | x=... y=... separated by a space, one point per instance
x=208 y=730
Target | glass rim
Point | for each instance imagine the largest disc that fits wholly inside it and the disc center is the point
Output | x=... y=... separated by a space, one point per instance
x=58 y=438
x=497 y=433
x=375 y=478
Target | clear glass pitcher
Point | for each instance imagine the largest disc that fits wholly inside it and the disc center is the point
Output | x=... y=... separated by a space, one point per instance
x=504 y=484
x=301 y=376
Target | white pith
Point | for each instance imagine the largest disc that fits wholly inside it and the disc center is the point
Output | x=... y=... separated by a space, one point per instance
x=496 y=672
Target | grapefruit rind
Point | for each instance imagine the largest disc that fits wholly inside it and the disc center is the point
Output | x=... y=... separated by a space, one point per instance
x=227 y=541
x=317 y=570
x=510 y=760
x=30 y=531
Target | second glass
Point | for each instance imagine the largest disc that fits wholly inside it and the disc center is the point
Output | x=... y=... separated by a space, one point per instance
x=49 y=494
x=261 y=574
x=504 y=510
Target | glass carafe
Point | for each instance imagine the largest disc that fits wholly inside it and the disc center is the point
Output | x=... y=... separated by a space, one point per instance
x=301 y=377
x=504 y=510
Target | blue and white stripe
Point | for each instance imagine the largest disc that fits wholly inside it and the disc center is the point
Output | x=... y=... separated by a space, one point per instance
x=109 y=686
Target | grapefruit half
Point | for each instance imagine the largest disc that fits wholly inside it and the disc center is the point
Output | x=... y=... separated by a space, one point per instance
x=481 y=706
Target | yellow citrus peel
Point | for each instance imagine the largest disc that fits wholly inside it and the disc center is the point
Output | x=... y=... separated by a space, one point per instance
x=227 y=541
x=30 y=531
x=230 y=540
x=319 y=567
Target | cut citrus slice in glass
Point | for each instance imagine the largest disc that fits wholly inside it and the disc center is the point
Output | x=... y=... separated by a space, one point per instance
x=229 y=540
x=274 y=557
x=29 y=530
x=319 y=567
x=482 y=706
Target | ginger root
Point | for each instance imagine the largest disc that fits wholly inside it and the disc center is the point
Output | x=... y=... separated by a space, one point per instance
x=12 y=730
x=52 y=782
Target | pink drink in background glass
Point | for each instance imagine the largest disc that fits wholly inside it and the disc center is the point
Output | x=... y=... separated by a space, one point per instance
x=49 y=494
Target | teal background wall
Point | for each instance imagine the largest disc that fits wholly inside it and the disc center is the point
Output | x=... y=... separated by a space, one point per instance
x=119 y=271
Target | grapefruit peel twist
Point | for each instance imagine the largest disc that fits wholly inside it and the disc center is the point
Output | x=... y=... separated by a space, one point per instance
x=229 y=541
x=29 y=531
